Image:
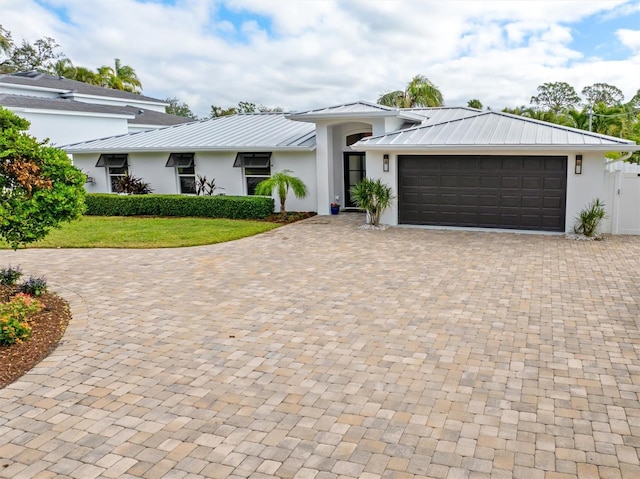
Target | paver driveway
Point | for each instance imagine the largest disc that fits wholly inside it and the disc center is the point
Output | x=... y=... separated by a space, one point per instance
x=320 y=350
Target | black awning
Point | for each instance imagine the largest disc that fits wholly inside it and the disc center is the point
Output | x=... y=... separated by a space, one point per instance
x=180 y=160
x=112 y=161
x=255 y=160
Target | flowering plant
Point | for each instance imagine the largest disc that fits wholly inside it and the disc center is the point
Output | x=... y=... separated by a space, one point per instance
x=14 y=318
x=335 y=205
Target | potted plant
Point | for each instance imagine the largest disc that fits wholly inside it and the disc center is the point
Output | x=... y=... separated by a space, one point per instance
x=335 y=208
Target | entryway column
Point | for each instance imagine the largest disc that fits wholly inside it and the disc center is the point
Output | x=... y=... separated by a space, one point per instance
x=324 y=167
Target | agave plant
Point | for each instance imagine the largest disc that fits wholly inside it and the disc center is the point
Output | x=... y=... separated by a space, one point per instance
x=374 y=197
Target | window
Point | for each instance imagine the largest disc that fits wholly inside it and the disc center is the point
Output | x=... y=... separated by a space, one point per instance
x=256 y=166
x=186 y=171
x=116 y=166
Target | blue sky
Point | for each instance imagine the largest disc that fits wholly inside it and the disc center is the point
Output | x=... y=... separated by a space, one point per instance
x=305 y=54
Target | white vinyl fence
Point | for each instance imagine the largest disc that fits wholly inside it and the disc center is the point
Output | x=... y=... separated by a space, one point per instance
x=623 y=188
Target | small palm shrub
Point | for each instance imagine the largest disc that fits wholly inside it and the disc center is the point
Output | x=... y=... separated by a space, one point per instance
x=132 y=185
x=10 y=276
x=282 y=182
x=374 y=197
x=589 y=219
x=33 y=286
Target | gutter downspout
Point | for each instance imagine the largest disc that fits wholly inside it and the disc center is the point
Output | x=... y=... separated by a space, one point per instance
x=624 y=157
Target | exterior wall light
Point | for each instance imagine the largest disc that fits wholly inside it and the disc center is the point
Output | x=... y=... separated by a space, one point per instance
x=578 y=169
x=385 y=163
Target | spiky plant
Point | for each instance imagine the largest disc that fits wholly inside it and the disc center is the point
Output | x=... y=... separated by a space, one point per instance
x=374 y=197
x=589 y=219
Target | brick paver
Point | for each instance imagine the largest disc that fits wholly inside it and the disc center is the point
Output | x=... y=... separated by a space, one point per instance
x=319 y=350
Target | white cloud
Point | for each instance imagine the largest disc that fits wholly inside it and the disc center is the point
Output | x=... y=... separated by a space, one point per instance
x=318 y=53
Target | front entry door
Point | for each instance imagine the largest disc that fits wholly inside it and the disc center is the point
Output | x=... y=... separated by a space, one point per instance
x=354 y=173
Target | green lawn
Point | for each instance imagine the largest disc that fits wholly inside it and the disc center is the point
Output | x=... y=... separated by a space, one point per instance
x=147 y=232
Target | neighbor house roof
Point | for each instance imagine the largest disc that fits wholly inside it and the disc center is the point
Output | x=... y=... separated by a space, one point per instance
x=249 y=132
x=46 y=82
x=134 y=115
x=494 y=131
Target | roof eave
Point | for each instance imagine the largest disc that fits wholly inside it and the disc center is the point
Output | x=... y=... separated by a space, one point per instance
x=197 y=149
x=583 y=147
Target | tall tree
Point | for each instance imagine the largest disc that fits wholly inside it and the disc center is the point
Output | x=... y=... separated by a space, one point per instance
x=39 y=187
x=119 y=77
x=179 y=108
x=419 y=92
x=610 y=95
x=556 y=97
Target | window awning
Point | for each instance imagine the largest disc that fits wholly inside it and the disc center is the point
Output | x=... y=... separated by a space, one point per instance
x=254 y=160
x=112 y=161
x=180 y=160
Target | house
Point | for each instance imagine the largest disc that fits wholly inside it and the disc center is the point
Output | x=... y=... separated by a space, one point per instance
x=67 y=111
x=447 y=166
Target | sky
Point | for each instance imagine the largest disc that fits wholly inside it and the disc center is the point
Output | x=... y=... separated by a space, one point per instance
x=300 y=55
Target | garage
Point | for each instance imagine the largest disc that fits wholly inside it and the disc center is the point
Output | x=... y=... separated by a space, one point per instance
x=485 y=191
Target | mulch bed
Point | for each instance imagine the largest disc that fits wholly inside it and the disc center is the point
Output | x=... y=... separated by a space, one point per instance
x=290 y=217
x=48 y=326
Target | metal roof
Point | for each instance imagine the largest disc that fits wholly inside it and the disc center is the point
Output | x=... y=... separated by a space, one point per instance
x=134 y=115
x=65 y=85
x=354 y=110
x=494 y=130
x=253 y=131
x=444 y=113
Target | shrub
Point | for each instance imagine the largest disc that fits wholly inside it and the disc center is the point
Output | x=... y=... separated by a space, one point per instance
x=10 y=276
x=205 y=187
x=374 y=197
x=589 y=219
x=14 y=318
x=132 y=185
x=233 y=207
x=33 y=286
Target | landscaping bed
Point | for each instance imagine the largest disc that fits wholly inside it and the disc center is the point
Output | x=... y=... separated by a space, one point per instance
x=48 y=327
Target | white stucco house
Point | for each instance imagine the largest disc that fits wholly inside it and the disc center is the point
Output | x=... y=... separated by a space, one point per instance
x=67 y=111
x=448 y=167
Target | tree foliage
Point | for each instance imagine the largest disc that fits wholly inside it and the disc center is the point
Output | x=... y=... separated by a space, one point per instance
x=242 y=107
x=282 y=182
x=179 y=108
x=475 y=103
x=419 y=92
x=610 y=95
x=119 y=77
x=39 y=55
x=39 y=187
x=555 y=97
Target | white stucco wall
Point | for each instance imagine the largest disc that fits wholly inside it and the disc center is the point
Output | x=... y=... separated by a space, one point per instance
x=63 y=129
x=219 y=165
x=581 y=189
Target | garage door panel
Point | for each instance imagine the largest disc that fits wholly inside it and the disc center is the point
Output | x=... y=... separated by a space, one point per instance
x=526 y=192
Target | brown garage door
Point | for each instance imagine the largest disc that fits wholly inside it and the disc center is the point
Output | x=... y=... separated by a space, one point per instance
x=514 y=192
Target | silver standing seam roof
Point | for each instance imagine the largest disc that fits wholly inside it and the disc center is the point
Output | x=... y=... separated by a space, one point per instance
x=493 y=131
x=252 y=131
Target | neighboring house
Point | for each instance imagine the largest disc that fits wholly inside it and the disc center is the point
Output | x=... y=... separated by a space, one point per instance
x=67 y=111
x=446 y=166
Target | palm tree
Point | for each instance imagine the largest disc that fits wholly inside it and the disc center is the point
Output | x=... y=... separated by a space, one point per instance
x=420 y=91
x=282 y=182
x=119 y=77
x=64 y=68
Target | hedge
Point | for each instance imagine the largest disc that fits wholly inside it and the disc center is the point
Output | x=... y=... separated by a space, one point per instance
x=234 y=207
